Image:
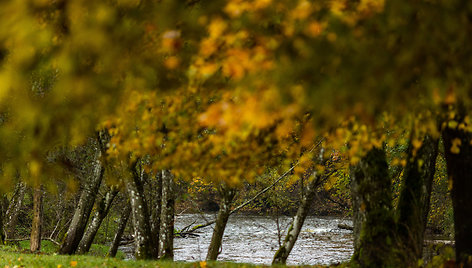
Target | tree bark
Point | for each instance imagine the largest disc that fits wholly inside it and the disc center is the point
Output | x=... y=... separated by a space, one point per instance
x=83 y=210
x=166 y=233
x=156 y=212
x=103 y=208
x=142 y=228
x=2 y=232
x=119 y=232
x=227 y=195
x=460 y=173
x=35 y=241
x=372 y=211
x=295 y=227
x=13 y=210
x=414 y=201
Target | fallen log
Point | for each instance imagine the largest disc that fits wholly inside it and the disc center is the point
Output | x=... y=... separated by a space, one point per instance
x=345 y=227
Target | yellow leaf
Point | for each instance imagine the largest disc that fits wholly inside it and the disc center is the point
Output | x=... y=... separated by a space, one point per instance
x=452 y=124
x=34 y=168
x=416 y=143
x=171 y=62
x=456 y=143
x=203 y=264
x=403 y=162
x=314 y=29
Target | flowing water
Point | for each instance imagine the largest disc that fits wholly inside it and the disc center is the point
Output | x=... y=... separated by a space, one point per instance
x=254 y=239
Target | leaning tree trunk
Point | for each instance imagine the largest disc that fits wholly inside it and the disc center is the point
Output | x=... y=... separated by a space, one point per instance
x=372 y=211
x=103 y=207
x=13 y=210
x=35 y=240
x=295 y=227
x=458 y=153
x=121 y=229
x=83 y=210
x=142 y=228
x=227 y=195
x=166 y=233
x=414 y=201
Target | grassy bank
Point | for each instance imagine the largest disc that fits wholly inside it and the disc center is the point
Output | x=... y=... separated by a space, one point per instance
x=19 y=259
x=17 y=255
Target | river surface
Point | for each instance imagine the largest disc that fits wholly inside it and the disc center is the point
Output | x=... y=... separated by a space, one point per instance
x=254 y=239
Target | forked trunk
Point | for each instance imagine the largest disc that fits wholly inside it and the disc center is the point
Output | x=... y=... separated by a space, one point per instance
x=82 y=212
x=103 y=207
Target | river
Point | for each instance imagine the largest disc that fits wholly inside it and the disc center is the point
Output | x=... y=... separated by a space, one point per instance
x=254 y=239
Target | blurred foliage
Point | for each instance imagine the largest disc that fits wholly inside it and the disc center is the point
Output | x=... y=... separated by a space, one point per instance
x=224 y=90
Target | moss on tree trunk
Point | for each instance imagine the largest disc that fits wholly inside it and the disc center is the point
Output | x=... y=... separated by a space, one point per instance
x=373 y=217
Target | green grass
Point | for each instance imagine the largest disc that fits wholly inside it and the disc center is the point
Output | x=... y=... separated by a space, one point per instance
x=47 y=247
x=18 y=259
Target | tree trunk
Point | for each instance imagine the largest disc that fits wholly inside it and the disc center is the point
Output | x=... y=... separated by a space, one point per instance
x=142 y=228
x=458 y=153
x=372 y=211
x=35 y=241
x=103 y=207
x=121 y=229
x=414 y=201
x=156 y=211
x=295 y=227
x=227 y=195
x=166 y=233
x=2 y=232
x=83 y=210
x=14 y=210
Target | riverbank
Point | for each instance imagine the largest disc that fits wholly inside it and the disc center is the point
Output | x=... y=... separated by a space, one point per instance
x=18 y=259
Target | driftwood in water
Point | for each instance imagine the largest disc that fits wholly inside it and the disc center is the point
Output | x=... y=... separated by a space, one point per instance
x=345 y=227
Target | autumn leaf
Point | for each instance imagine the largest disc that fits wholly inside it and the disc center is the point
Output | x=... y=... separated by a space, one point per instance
x=455 y=147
